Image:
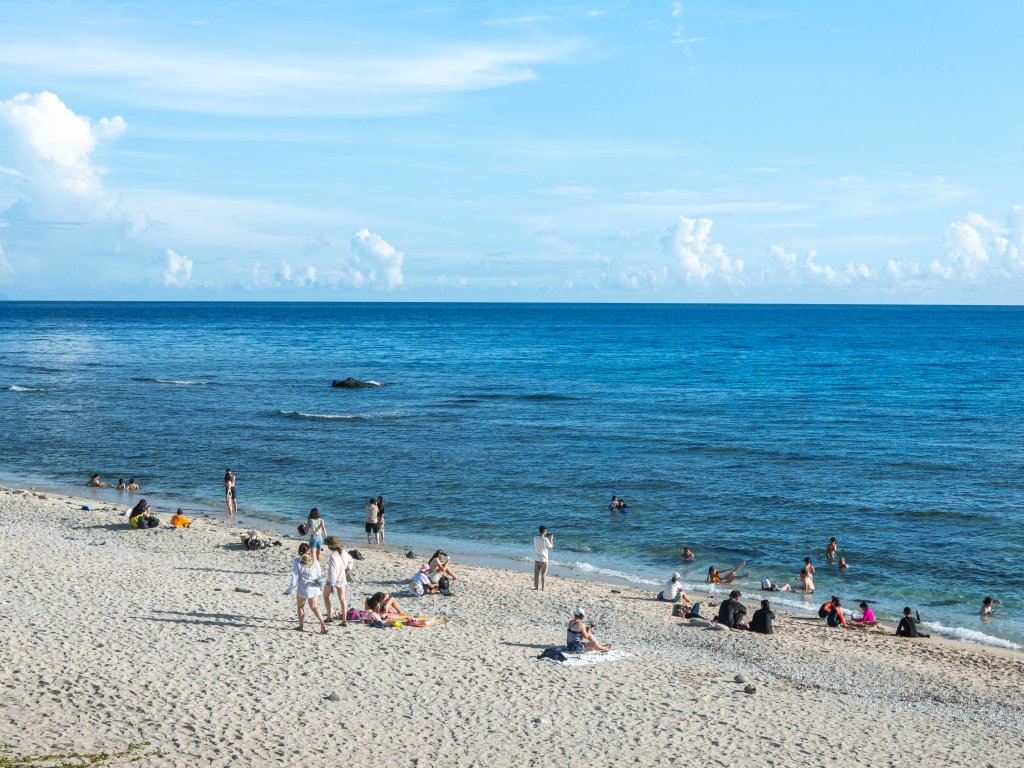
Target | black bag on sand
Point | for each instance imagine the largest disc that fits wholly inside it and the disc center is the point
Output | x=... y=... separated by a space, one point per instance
x=356 y=554
x=444 y=584
x=302 y=529
x=554 y=654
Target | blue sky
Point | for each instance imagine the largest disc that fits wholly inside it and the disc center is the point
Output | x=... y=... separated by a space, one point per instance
x=643 y=151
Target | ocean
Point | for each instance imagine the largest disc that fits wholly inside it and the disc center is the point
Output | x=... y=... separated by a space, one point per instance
x=743 y=432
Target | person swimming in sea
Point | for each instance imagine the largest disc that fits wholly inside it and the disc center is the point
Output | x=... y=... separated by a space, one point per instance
x=831 y=549
x=843 y=564
x=687 y=554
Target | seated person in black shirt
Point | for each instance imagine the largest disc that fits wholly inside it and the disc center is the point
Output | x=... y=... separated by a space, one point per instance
x=907 y=626
x=762 y=619
x=731 y=612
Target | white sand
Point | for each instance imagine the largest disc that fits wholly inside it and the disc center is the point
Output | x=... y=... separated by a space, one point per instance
x=111 y=636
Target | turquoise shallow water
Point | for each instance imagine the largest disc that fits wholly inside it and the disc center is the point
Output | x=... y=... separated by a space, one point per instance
x=744 y=432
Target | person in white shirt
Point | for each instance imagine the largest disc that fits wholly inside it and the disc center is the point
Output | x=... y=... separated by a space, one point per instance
x=543 y=543
x=373 y=521
x=307 y=581
x=673 y=591
x=336 y=581
x=420 y=585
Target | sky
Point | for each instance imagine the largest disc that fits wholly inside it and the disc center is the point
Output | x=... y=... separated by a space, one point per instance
x=811 y=152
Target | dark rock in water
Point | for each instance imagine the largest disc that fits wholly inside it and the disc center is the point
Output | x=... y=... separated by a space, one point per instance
x=410 y=555
x=351 y=383
x=356 y=554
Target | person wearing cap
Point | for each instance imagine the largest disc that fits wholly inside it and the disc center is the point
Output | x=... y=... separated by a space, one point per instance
x=732 y=613
x=673 y=591
x=420 y=584
x=579 y=636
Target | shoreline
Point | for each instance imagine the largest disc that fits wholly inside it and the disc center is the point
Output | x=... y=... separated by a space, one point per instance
x=485 y=554
x=516 y=565
x=182 y=639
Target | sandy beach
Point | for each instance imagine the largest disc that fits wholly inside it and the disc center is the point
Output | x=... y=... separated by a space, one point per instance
x=113 y=636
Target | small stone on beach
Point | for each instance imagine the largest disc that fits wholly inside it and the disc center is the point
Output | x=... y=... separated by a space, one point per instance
x=333 y=696
x=243 y=589
x=410 y=555
x=740 y=678
x=749 y=689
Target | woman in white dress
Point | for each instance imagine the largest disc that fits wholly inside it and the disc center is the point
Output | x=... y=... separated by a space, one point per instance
x=337 y=562
x=307 y=581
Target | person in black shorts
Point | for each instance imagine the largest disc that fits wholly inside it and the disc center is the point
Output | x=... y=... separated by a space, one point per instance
x=372 y=520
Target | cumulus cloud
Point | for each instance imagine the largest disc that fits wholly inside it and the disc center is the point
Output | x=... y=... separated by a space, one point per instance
x=285 y=276
x=51 y=151
x=796 y=268
x=178 y=272
x=976 y=246
x=701 y=260
x=376 y=262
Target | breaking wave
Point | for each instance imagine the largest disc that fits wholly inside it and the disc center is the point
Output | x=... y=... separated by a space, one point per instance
x=178 y=382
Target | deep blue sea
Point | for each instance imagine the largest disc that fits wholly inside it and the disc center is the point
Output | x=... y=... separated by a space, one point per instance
x=744 y=432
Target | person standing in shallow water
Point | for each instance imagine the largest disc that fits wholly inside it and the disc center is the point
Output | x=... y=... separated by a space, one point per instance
x=380 y=517
x=372 y=520
x=230 y=497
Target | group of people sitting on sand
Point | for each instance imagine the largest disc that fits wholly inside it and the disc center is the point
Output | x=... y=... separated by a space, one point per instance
x=141 y=516
x=434 y=577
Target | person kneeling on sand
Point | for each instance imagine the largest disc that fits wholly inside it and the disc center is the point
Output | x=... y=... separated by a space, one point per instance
x=579 y=636
x=420 y=585
x=908 y=626
x=673 y=591
x=835 y=616
x=732 y=613
x=867 y=616
x=178 y=520
x=761 y=621
x=826 y=607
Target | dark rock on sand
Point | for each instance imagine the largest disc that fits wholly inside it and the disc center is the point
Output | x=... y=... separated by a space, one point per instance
x=356 y=554
x=351 y=383
x=333 y=696
x=410 y=555
x=749 y=689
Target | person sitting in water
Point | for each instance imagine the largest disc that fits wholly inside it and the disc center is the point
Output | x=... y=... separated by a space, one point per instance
x=716 y=577
x=178 y=520
x=761 y=621
x=687 y=554
x=908 y=626
x=132 y=485
x=986 y=606
x=767 y=585
x=835 y=616
x=440 y=565
x=842 y=564
x=806 y=581
x=95 y=482
x=808 y=567
x=420 y=584
x=614 y=506
x=867 y=616
x=732 y=613
x=622 y=507
x=141 y=517
x=579 y=636
x=673 y=591
x=121 y=485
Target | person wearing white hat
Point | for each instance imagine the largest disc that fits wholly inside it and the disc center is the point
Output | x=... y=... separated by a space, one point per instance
x=579 y=636
x=673 y=591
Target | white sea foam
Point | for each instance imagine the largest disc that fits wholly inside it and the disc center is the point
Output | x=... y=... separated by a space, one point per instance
x=588 y=568
x=177 y=382
x=16 y=388
x=328 y=416
x=970 y=635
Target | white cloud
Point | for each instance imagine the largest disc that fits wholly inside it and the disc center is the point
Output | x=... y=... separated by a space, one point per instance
x=346 y=82
x=797 y=268
x=178 y=273
x=689 y=241
x=6 y=270
x=376 y=261
x=285 y=277
x=51 y=150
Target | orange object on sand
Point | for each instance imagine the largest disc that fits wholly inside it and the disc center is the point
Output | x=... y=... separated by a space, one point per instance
x=180 y=521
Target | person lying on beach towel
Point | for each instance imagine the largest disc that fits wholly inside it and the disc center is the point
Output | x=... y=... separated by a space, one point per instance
x=178 y=520
x=579 y=636
x=382 y=603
